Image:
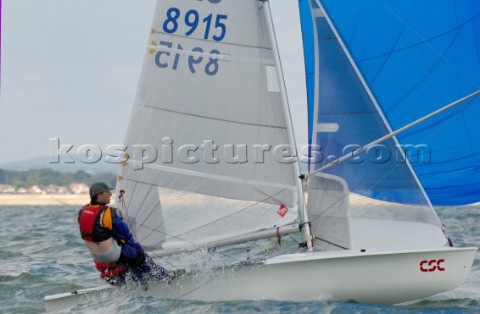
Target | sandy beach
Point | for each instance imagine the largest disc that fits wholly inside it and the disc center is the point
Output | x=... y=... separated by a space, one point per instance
x=48 y=199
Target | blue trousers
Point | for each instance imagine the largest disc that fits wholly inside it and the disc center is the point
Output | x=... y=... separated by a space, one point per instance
x=140 y=274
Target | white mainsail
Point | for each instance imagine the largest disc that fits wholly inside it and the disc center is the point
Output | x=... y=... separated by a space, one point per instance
x=210 y=144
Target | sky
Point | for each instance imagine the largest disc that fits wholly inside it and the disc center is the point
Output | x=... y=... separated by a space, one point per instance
x=70 y=69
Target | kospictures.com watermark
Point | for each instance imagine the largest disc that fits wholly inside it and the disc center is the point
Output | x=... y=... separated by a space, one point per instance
x=210 y=153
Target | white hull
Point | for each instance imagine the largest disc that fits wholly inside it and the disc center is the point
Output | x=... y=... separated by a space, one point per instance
x=368 y=277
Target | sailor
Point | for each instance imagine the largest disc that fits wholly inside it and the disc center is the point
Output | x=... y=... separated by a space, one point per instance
x=118 y=257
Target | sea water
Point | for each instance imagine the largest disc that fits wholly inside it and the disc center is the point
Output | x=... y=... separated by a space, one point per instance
x=41 y=254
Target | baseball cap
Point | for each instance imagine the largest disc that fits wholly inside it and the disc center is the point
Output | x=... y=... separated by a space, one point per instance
x=99 y=187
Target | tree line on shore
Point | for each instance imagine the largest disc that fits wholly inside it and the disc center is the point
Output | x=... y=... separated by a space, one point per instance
x=46 y=177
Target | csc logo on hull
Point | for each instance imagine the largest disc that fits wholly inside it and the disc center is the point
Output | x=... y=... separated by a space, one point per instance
x=432 y=265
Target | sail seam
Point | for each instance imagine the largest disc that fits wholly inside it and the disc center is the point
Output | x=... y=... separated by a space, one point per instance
x=212 y=118
x=213 y=176
x=424 y=40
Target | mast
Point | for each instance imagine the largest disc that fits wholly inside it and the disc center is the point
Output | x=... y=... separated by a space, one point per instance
x=288 y=121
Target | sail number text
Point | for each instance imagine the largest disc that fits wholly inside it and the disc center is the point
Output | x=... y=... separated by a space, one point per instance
x=215 y=27
x=166 y=59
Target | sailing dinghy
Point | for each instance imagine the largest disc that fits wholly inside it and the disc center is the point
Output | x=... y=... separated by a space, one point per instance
x=211 y=158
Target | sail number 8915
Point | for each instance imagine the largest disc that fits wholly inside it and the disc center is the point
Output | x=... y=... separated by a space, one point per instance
x=192 y=20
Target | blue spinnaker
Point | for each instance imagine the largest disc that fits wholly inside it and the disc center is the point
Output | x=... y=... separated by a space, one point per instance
x=414 y=57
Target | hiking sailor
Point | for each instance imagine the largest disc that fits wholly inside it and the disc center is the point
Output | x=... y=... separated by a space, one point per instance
x=116 y=254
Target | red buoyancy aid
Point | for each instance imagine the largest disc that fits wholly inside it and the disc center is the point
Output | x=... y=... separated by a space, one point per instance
x=109 y=270
x=90 y=227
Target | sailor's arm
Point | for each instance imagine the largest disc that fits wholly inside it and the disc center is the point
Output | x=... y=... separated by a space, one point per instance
x=131 y=250
x=112 y=221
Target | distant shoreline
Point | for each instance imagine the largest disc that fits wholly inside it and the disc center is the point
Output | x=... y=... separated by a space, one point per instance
x=60 y=199
x=44 y=199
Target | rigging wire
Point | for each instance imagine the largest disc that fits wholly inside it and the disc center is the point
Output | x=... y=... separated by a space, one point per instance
x=178 y=237
x=236 y=212
x=268 y=197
